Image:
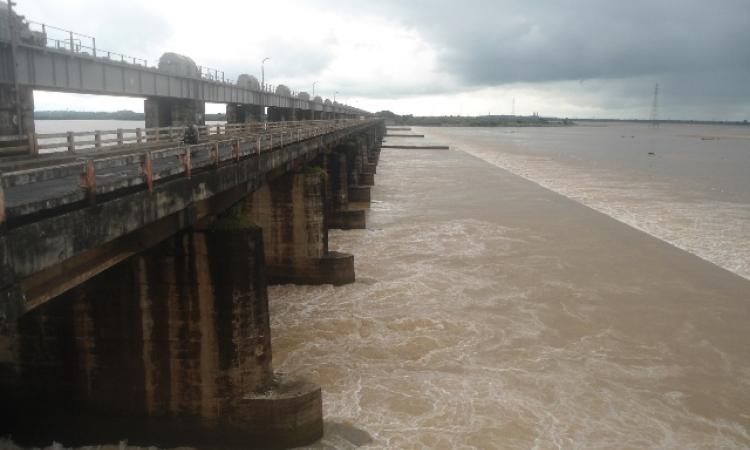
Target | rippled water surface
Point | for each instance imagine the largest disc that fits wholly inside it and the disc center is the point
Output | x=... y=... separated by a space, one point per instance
x=491 y=313
x=686 y=184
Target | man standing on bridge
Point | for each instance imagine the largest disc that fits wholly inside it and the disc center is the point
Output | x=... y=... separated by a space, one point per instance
x=191 y=134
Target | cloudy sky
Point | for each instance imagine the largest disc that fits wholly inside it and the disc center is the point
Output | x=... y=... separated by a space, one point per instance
x=568 y=58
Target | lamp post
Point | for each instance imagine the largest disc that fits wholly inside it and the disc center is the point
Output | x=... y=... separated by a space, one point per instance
x=314 y=83
x=334 y=104
x=263 y=87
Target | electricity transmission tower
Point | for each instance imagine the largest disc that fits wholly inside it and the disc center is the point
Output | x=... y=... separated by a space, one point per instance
x=655 y=108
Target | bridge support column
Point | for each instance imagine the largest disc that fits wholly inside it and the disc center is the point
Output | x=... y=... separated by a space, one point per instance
x=170 y=112
x=11 y=124
x=358 y=192
x=169 y=348
x=340 y=216
x=244 y=113
x=367 y=170
x=11 y=308
x=278 y=114
x=291 y=212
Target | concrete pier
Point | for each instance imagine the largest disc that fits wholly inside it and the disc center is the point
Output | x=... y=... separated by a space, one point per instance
x=278 y=114
x=11 y=123
x=238 y=113
x=168 y=348
x=340 y=214
x=168 y=112
x=9 y=108
x=143 y=315
x=291 y=212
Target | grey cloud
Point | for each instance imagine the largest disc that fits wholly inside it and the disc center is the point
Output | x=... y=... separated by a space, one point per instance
x=127 y=27
x=697 y=49
x=494 y=42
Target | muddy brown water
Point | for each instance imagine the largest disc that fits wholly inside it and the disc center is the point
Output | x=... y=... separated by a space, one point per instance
x=492 y=313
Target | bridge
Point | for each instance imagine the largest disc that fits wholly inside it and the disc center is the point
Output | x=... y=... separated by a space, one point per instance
x=134 y=267
x=37 y=56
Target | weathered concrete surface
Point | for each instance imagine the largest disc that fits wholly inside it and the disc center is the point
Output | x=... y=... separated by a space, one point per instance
x=279 y=114
x=170 y=345
x=169 y=112
x=238 y=113
x=343 y=166
x=340 y=214
x=359 y=194
x=291 y=212
x=168 y=348
x=348 y=219
x=41 y=246
x=9 y=118
x=367 y=178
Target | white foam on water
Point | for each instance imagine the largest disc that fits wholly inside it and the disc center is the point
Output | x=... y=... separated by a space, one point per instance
x=437 y=352
x=717 y=231
x=442 y=344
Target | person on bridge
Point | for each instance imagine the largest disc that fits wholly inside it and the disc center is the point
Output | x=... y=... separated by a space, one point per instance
x=191 y=134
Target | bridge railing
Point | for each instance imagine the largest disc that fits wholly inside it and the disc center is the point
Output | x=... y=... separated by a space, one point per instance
x=61 y=39
x=145 y=166
x=120 y=138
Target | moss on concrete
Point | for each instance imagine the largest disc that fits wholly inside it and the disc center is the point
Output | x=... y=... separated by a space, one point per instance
x=234 y=222
x=315 y=169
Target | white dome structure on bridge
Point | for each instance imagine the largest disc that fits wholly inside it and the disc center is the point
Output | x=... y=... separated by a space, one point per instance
x=328 y=102
x=283 y=90
x=248 y=82
x=303 y=96
x=318 y=99
x=177 y=64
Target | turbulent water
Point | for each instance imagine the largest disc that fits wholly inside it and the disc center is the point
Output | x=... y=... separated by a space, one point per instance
x=491 y=313
x=686 y=184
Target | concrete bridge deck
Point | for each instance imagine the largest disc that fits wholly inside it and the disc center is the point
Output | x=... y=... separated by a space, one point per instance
x=242 y=210
x=56 y=211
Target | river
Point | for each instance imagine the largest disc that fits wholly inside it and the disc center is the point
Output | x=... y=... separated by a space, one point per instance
x=490 y=312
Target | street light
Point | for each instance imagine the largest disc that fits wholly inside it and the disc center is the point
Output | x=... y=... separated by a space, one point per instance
x=263 y=86
x=314 y=83
x=334 y=104
x=263 y=72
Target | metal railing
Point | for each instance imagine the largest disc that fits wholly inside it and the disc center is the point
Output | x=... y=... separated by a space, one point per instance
x=77 y=142
x=62 y=39
x=147 y=165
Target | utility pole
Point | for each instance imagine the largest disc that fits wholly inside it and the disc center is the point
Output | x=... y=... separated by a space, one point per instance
x=513 y=107
x=655 y=108
x=313 y=94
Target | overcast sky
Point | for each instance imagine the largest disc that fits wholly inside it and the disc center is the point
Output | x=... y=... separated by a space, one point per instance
x=574 y=58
